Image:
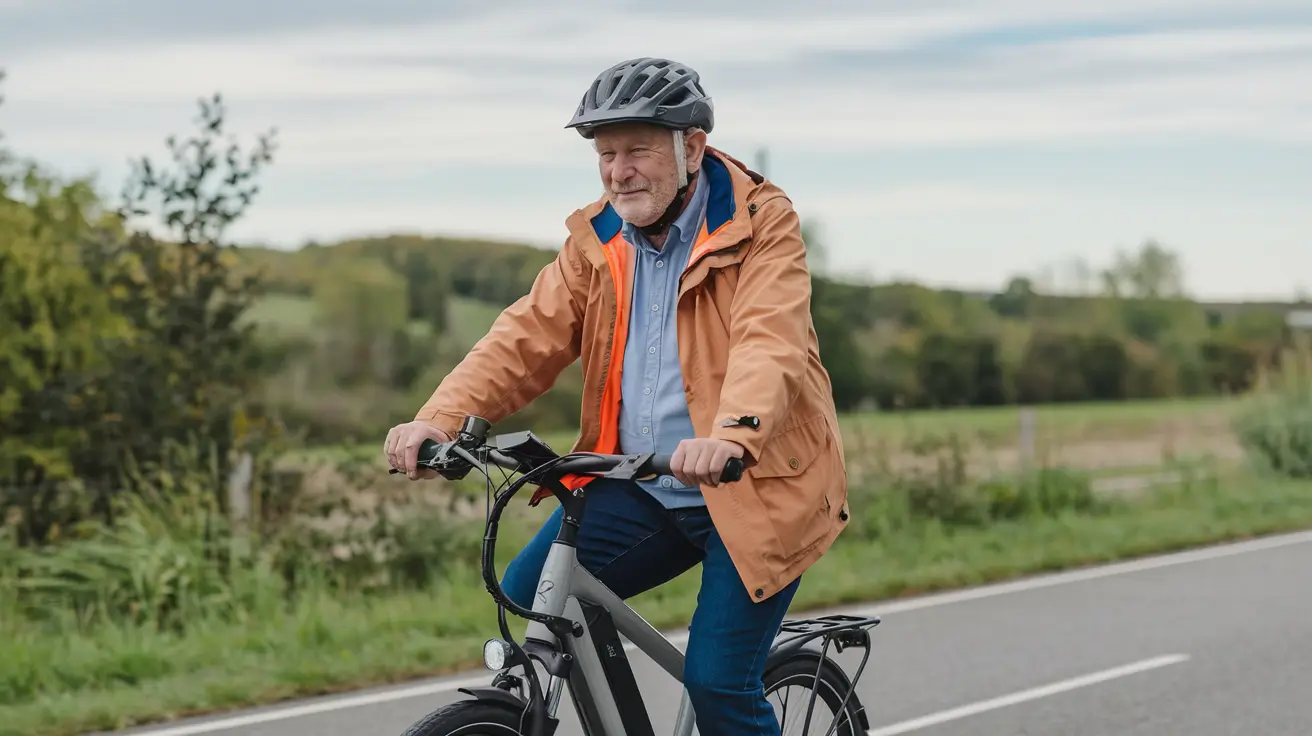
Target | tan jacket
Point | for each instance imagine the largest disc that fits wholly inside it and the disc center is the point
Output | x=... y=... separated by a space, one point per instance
x=747 y=347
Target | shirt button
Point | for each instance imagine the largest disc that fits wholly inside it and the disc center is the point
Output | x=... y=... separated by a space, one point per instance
x=651 y=350
x=655 y=307
x=660 y=264
x=647 y=390
x=646 y=430
x=667 y=483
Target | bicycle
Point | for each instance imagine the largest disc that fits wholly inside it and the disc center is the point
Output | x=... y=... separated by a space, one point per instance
x=574 y=626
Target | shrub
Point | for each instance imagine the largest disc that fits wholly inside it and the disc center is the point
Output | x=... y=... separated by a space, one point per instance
x=937 y=488
x=174 y=560
x=1276 y=425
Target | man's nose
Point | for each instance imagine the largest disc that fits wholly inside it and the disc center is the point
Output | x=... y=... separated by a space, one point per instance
x=622 y=167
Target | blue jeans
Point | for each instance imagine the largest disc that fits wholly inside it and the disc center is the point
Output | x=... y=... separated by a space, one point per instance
x=632 y=544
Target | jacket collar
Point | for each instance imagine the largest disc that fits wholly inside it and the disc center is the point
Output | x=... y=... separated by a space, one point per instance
x=731 y=187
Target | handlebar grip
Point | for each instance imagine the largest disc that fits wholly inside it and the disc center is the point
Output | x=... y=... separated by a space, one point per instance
x=427 y=452
x=733 y=470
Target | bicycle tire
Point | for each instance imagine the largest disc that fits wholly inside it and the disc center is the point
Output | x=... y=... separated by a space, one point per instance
x=469 y=718
x=800 y=670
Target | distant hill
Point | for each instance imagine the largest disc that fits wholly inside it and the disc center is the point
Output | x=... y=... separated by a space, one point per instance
x=491 y=271
x=498 y=272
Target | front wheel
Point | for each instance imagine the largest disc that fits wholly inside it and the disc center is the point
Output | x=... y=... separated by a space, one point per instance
x=470 y=718
x=790 y=687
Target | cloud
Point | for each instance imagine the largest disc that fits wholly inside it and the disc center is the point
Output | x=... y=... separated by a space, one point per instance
x=498 y=86
x=37 y=26
x=926 y=198
x=448 y=116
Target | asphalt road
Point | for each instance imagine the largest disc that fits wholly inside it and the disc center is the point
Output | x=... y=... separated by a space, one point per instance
x=1209 y=642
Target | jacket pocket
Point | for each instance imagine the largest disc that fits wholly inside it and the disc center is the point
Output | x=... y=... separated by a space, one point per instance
x=791 y=451
x=793 y=480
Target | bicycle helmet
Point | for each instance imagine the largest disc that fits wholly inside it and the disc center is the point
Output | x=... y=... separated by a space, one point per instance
x=648 y=90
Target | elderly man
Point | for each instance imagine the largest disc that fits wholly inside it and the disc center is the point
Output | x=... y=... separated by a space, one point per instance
x=685 y=292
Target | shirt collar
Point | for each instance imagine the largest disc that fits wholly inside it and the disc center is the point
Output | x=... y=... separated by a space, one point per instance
x=685 y=226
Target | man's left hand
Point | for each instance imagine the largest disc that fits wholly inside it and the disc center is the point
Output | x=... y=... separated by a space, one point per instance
x=700 y=461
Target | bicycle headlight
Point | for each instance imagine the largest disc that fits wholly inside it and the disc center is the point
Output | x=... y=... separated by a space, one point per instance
x=495 y=654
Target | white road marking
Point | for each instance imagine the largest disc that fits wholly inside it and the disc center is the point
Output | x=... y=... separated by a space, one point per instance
x=356 y=701
x=680 y=638
x=1044 y=691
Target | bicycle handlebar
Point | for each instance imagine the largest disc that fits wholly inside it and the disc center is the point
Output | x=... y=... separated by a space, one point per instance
x=435 y=455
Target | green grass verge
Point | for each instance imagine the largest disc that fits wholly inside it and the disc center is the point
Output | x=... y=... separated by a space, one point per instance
x=115 y=677
x=1063 y=422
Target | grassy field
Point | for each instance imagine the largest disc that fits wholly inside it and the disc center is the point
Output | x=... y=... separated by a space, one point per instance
x=1070 y=422
x=60 y=679
x=1132 y=437
x=467 y=319
x=284 y=313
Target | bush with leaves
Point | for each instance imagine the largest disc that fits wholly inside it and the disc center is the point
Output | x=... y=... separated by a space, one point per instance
x=54 y=322
x=1276 y=425
x=937 y=488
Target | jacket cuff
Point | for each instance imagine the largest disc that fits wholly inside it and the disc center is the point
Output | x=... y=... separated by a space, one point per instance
x=744 y=431
x=445 y=421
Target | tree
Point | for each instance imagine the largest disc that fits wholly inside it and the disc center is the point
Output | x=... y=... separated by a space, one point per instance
x=1017 y=300
x=1153 y=273
x=815 y=247
x=52 y=319
x=5 y=156
x=189 y=368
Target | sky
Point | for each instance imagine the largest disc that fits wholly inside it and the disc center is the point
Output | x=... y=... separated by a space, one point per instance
x=954 y=143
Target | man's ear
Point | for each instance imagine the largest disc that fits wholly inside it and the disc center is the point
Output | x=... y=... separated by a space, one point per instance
x=694 y=146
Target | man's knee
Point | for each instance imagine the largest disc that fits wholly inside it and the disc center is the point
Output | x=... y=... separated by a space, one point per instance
x=520 y=582
x=521 y=578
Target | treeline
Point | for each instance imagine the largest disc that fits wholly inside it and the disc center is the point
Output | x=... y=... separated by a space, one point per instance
x=904 y=346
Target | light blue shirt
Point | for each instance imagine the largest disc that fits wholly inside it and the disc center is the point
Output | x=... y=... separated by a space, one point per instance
x=654 y=409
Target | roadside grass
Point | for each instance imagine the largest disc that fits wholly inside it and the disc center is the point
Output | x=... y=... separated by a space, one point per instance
x=58 y=677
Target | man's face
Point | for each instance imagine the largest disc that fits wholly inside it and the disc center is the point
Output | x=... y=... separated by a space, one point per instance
x=638 y=168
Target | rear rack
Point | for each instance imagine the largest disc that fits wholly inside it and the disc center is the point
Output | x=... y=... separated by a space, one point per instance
x=841 y=631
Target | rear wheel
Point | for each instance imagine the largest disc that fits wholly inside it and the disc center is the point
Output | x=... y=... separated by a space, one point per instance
x=789 y=687
x=469 y=718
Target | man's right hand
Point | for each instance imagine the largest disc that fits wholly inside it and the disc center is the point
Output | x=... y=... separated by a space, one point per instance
x=402 y=447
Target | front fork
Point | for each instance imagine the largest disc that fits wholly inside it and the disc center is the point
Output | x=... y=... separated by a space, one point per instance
x=686 y=722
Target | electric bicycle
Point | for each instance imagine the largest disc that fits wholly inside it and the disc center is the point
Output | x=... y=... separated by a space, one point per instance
x=574 y=627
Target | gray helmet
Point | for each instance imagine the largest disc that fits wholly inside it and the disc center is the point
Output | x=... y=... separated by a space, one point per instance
x=647 y=90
